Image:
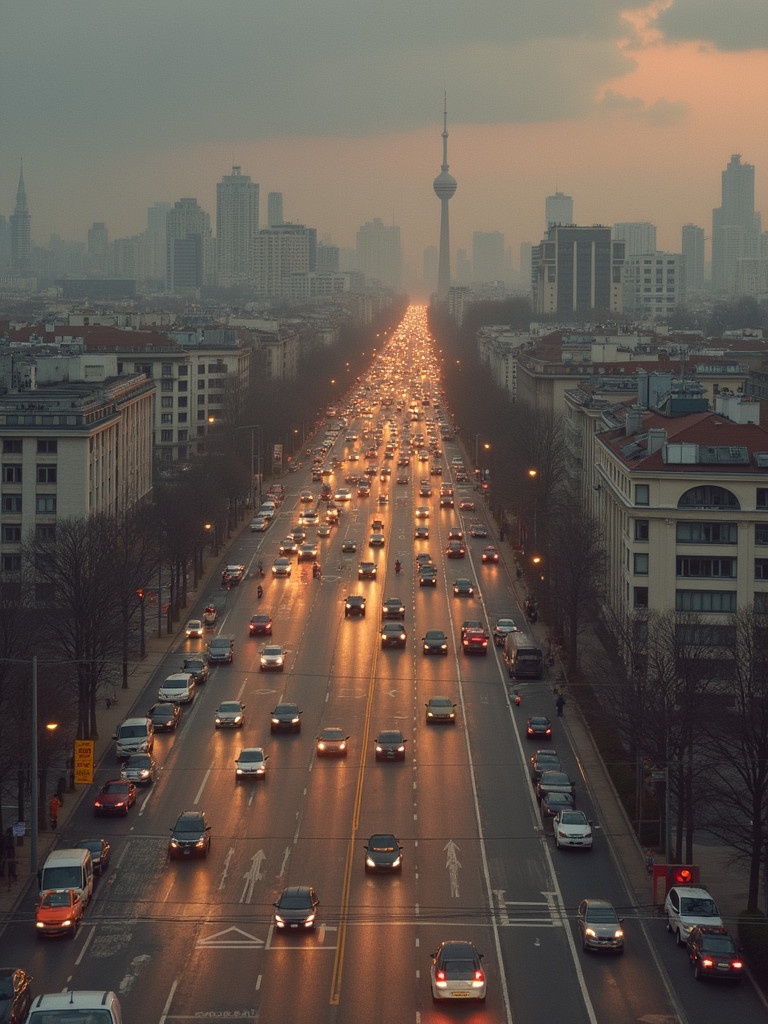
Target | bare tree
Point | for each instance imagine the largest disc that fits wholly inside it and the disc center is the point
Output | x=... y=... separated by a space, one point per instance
x=575 y=565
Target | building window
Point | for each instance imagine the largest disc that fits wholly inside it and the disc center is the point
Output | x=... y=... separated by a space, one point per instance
x=641 y=529
x=166 y=402
x=12 y=474
x=705 y=601
x=46 y=474
x=761 y=533
x=708 y=496
x=200 y=368
x=182 y=417
x=706 y=568
x=45 y=532
x=642 y=494
x=167 y=370
x=12 y=503
x=11 y=563
x=166 y=386
x=166 y=436
x=12 y=445
x=182 y=404
x=182 y=385
x=12 y=533
x=45 y=503
x=708 y=533
x=692 y=634
x=201 y=401
x=641 y=597
x=762 y=497
x=47 y=446
x=641 y=564
x=761 y=568
x=201 y=385
x=761 y=602
x=183 y=370
x=183 y=435
x=166 y=417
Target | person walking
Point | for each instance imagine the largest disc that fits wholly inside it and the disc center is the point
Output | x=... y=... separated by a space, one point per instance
x=560 y=704
x=53 y=808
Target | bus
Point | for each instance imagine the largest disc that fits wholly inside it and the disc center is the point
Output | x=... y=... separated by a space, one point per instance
x=524 y=660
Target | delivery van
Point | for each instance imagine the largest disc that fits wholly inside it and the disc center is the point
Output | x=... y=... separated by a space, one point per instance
x=68 y=869
x=134 y=736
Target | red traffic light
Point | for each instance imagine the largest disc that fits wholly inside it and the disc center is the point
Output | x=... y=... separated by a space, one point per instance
x=140 y=593
x=682 y=874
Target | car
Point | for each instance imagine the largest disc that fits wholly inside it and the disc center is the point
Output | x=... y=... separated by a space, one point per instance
x=466 y=505
x=194 y=629
x=15 y=994
x=463 y=588
x=713 y=954
x=233 y=574
x=554 y=781
x=272 y=658
x=390 y=745
x=178 y=688
x=59 y=912
x=306 y=497
x=376 y=540
x=383 y=853
x=251 y=763
x=542 y=761
x=348 y=547
x=455 y=549
x=435 y=470
x=427 y=576
x=490 y=555
x=260 y=624
x=307 y=552
x=393 y=608
x=377 y=525
x=100 y=851
x=281 y=567
x=190 y=836
x=553 y=803
x=296 y=908
x=139 y=769
x=435 y=641
x=286 y=718
x=383 y=499
x=440 y=709
x=539 y=728
x=299 y=534
x=288 y=546
x=423 y=558
x=309 y=517
x=425 y=491
x=572 y=828
x=221 y=649
x=164 y=716
x=502 y=629
x=599 y=926
x=230 y=715
x=197 y=667
x=446 y=501
x=324 y=530
x=455 y=533
x=343 y=494
x=259 y=524
x=474 y=641
x=403 y=478
x=354 y=604
x=421 y=533
x=332 y=513
x=332 y=742
x=393 y=635
x=478 y=530
x=687 y=906
x=457 y=972
x=116 y=796
x=422 y=512
x=366 y=571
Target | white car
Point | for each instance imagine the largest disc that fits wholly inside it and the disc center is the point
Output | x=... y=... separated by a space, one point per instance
x=572 y=828
x=502 y=629
x=259 y=524
x=178 y=688
x=230 y=715
x=194 y=629
x=272 y=657
x=689 y=905
x=251 y=764
x=457 y=972
x=281 y=567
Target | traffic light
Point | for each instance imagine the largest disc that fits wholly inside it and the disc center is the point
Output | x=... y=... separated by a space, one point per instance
x=140 y=593
x=682 y=874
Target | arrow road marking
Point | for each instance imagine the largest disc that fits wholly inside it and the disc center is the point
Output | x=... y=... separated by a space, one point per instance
x=453 y=864
x=253 y=875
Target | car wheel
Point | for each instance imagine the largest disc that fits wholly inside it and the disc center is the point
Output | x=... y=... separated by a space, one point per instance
x=669 y=925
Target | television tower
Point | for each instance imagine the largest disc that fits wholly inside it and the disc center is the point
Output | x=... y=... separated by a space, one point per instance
x=444 y=186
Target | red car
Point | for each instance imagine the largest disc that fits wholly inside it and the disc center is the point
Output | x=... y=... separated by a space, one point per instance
x=115 y=797
x=474 y=641
x=58 y=913
x=260 y=625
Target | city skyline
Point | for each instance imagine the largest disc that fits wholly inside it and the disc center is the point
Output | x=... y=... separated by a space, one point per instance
x=353 y=134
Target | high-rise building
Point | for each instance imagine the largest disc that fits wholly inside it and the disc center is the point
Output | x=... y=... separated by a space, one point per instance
x=558 y=209
x=237 y=226
x=488 y=260
x=21 y=233
x=156 y=217
x=693 y=251
x=275 y=214
x=445 y=187
x=735 y=225
x=379 y=253
x=285 y=256
x=654 y=283
x=463 y=275
x=577 y=270
x=99 y=261
x=639 y=237
x=188 y=246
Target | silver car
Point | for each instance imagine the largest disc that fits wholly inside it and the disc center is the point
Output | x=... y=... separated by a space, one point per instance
x=272 y=658
x=230 y=714
x=600 y=926
x=251 y=764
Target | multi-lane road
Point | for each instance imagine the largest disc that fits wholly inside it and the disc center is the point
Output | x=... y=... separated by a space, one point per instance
x=195 y=940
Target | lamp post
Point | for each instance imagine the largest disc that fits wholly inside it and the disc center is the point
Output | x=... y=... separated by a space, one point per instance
x=142 y=624
x=533 y=475
x=211 y=529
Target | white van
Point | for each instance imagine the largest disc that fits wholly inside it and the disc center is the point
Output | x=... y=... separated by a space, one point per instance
x=68 y=869
x=178 y=688
x=134 y=736
x=75 y=1006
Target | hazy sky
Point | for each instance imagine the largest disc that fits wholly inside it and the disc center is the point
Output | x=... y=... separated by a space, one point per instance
x=634 y=109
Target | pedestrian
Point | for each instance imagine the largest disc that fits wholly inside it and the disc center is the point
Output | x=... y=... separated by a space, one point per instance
x=560 y=704
x=53 y=808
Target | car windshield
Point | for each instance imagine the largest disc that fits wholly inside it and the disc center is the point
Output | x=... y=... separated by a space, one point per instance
x=718 y=943
x=164 y=712
x=230 y=705
x=251 y=755
x=698 y=907
x=55 y=899
x=555 y=779
x=115 y=787
x=573 y=818
x=295 y=901
x=390 y=737
x=189 y=825
x=602 y=915
x=461 y=970
x=138 y=761
x=382 y=844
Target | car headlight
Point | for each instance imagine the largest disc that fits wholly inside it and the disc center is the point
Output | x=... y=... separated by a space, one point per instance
x=309 y=921
x=379 y=748
x=396 y=862
x=175 y=844
x=295 y=720
x=199 y=843
x=370 y=862
x=239 y=771
x=279 y=921
x=275 y=721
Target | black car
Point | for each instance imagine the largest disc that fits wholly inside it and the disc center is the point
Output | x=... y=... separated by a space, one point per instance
x=554 y=782
x=435 y=642
x=190 y=836
x=197 y=666
x=383 y=853
x=440 y=709
x=100 y=854
x=553 y=803
x=428 y=576
x=296 y=908
x=15 y=995
x=543 y=761
x=393 y=608
x=539 y=728
x=286 y=718
x=260 y=625
x=354 y=605
x=713 y=954
x=164 y=717
x=390 y=746
x=393 y=635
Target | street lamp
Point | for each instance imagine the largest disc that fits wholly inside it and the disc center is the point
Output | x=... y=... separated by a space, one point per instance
x=211 y=529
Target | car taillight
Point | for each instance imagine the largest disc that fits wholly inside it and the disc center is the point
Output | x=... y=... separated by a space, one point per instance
x=736 y=965
x=440 y=976
x=479 y=976
x=707 y=961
